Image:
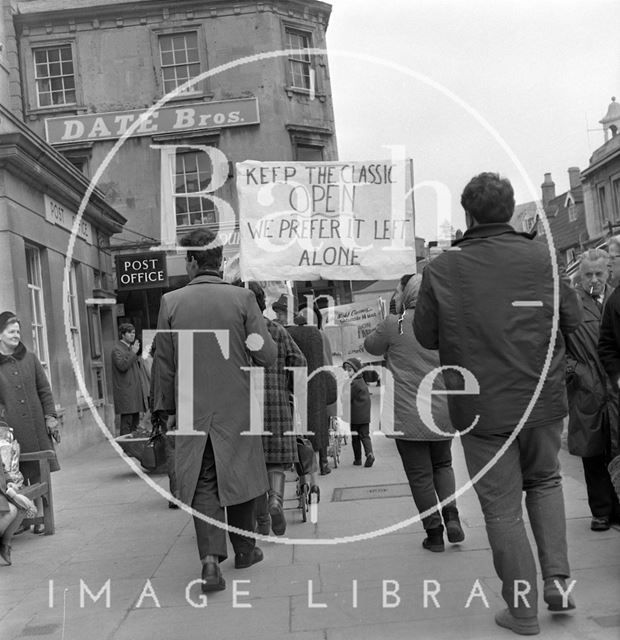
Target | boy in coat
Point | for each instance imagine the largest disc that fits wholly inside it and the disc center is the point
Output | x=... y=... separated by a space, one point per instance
x=360 y=414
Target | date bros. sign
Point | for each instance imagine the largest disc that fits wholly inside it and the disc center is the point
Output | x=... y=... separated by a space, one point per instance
x=141 y=271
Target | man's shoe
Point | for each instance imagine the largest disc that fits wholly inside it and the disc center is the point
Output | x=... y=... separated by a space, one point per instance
x=454 y=530
x=245 y=560
x=434 y=539
x=212 y=579
x=370 y=460
x=599 y=524
x=325 y=469
x=552 y=595
x=522 y=626
x=357 y=462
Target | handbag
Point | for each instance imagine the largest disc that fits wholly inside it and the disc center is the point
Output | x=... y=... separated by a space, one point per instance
x=153 y=456
x=307 y=460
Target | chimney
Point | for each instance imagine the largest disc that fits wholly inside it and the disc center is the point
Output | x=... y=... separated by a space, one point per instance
x=548 y=190
x=573 y=178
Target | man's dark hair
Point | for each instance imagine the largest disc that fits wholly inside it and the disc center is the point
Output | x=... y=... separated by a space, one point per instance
x=208 y=259
x=489 y=198
x=124 y=328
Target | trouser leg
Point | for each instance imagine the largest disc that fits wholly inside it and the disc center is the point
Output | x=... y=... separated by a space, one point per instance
x=242 y=516
x=129 y=422
x=363 y=431
x=598 y=485
x=356 y=443
x=416 y=459
x=499 y=491
x=542 y=483
x=211 y=538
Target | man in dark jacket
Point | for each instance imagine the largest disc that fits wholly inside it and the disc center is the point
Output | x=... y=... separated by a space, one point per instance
x=488 y=305
x=360 y=414
x=592 y=398
x=129 y=398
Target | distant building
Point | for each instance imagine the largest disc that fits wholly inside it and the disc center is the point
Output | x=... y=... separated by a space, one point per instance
x=565 y=215
x=601 y=180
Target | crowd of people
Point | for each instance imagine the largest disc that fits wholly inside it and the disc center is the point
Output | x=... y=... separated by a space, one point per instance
x=518 y=351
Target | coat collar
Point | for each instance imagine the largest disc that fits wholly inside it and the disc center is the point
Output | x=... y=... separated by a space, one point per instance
x=490 y=230
x=18 y=354
x=207 y=278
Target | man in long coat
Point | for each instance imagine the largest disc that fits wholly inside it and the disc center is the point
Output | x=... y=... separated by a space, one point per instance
x=592 y=398
x=225 y=469
x=129 y=399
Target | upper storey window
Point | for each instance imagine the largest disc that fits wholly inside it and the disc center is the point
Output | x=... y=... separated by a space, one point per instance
x=54 y=76
x=179 y=60
x=300 y=68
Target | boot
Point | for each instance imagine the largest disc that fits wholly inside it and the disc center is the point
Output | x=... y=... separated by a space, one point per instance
x=276 y=493
x=263 y=521
x=453 y=525
x=434 y=539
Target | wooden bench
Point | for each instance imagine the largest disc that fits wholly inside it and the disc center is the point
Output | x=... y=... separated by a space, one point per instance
x=41 y=489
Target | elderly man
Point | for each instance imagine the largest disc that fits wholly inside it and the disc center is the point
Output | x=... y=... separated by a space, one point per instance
x=219 y=467
x=487 y=305
x=129 y=397
x=592 y=399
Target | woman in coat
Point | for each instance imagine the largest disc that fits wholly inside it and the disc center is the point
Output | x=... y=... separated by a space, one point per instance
x=321 y=387
x=426 y=455
x=27 y=399
x=26 y=395
x=280 y=450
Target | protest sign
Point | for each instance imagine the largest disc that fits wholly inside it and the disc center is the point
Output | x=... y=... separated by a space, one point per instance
x=329 y=220
x=346 y=327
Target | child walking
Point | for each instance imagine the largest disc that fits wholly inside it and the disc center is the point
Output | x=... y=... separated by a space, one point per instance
x=360 y=414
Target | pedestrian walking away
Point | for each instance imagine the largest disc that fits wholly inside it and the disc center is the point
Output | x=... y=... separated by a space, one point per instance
x=223 y=471
x=487 y=305
x=425 y=453
x=359 y=414
x=592 y=396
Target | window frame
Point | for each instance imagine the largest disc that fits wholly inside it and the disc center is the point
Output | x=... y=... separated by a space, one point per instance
x=601 y=201
x=615 y=191
x=27 y=48
x=200 y=88
x=315 y=87
x=38 y=322
x=74 y=314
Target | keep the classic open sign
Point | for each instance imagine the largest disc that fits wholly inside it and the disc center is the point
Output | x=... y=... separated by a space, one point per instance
x=141 y=271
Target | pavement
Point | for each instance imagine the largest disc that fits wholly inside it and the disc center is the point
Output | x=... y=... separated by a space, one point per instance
x=121 y=565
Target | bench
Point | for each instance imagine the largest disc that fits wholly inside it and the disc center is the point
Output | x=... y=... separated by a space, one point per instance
x=41 y=489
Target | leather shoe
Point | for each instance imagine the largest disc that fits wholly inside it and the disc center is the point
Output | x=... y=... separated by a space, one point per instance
x=325 y=469
x=370 y=460
x=522 y=626
x=245 y=560
x=5 y=552
x=357 y=462
x=599 y=523
x=553 y=596
x=212 y=579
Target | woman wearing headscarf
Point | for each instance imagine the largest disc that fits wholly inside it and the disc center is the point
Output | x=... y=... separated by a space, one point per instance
x=425 y=453
x=26 y=397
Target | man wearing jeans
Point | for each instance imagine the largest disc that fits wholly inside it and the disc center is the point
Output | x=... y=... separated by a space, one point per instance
x=487 y=304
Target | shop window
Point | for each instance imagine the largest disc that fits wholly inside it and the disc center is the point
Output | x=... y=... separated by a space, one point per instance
x=193 y=173
x=300 y=71
x=37 y=307
x=179 y=60
x=74 y=316
x=54 y=76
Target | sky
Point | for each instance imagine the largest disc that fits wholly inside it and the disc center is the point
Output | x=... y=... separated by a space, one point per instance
x=516 y=87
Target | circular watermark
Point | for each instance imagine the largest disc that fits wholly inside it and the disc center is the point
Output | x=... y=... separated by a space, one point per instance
x=366 y=58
